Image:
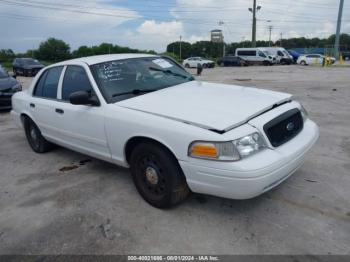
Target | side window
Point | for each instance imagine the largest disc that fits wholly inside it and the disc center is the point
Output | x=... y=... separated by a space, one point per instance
x=280 y=53
x=38 y=91
x=48 y=83
x=75 y=79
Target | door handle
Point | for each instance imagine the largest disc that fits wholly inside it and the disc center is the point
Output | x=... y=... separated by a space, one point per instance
x=58 y=110
x=32 y=105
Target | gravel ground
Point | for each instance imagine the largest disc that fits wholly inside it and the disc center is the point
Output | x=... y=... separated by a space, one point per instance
x=63 y=202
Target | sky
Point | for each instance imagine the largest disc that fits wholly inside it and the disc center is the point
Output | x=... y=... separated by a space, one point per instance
x=152 y=24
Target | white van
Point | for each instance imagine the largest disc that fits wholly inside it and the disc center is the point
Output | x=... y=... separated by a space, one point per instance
x=254 y=56
x=281 y=54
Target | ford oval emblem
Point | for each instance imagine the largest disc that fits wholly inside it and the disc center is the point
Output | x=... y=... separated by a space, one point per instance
x=290 y=126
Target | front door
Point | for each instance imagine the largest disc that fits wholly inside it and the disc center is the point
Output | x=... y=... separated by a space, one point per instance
x=82 y=127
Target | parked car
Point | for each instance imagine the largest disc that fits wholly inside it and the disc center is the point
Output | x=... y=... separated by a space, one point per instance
x=255 y=56
x=294 y=54
x=26 y=66
x=232 y=61
x=281 y=55
x=346 y=55
x=175 y=134
x=313 y=59
x=8 y=86
x=194 y=61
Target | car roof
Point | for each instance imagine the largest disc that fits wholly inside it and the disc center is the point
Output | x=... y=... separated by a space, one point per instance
x=92 y=60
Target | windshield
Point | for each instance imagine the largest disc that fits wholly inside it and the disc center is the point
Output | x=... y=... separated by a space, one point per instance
x=29 y=61
x=123 y=79
x=3 y=74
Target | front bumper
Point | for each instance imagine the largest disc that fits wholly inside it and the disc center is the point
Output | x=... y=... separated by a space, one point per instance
x=5 y=102
x=243 y=180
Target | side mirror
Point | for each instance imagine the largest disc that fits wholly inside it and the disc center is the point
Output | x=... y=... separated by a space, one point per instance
x=83 y=98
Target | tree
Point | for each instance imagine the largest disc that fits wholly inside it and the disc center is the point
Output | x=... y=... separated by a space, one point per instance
x=6 y=54
x=53 y=50
x=175 y=49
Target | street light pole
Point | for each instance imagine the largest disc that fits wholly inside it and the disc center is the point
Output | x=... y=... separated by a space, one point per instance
x=281 y=40
x=254 y=10
x=254 y=25
x=337 y=36
x=180 y=47
x=270 y=30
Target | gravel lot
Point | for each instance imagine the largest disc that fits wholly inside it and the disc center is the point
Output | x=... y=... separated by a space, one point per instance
x=65 y=202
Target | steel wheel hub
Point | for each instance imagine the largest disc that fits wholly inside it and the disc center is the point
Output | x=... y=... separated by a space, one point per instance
x=33 y=134
x=151 y=175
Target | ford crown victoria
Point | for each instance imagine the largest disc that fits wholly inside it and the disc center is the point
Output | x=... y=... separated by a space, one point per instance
x=176 y=134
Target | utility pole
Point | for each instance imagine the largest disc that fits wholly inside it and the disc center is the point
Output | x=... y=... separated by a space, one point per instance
x=254 y=10
x=180 y=47
x=270 y=30
x=281 y=40
x=337 y=36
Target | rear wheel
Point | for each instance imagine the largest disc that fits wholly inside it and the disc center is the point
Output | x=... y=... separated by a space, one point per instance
x=36 y=141
x=303 y=63
x=157 y=175
x=187 y=65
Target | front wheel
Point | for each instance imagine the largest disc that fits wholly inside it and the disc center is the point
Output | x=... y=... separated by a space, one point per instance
x=303 y=63
x=157 y=175
x=35 y=139
x=187 y=66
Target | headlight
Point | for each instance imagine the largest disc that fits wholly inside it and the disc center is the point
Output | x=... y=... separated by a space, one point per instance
x=17 y=88
x=249 y=144
x=227 y=151
x=303 y=112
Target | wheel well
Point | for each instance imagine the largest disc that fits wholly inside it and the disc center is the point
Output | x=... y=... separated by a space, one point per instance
x=133 y=142
x=23 y=117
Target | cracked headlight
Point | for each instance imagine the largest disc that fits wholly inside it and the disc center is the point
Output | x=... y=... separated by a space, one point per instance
x=303 y=112
x=227 y=151
x=249 y=144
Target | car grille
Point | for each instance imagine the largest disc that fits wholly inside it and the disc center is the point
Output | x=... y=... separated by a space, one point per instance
x=284 y=127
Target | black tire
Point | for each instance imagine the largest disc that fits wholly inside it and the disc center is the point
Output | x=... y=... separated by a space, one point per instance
x=36 y=141
x=187 y=65
x=157 y=175
x=266 y=63
x=303 y=63
x=204 y=65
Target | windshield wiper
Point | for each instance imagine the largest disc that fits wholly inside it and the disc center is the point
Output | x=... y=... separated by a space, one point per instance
x=135 y=92
x=167 y=71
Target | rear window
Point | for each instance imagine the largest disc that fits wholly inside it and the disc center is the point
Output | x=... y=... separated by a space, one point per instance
x=48 y=83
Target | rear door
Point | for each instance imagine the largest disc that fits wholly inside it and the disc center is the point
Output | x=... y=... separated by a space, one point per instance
x=44 y=101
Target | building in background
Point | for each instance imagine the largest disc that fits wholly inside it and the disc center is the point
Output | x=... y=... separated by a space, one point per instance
x=216 y=36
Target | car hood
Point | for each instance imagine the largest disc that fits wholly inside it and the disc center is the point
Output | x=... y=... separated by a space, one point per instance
x=212 y=106
x=6 y=83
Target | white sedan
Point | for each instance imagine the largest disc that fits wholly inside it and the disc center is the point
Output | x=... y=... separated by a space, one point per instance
x=176 y=134
x=313 y=59
x=194 y=61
